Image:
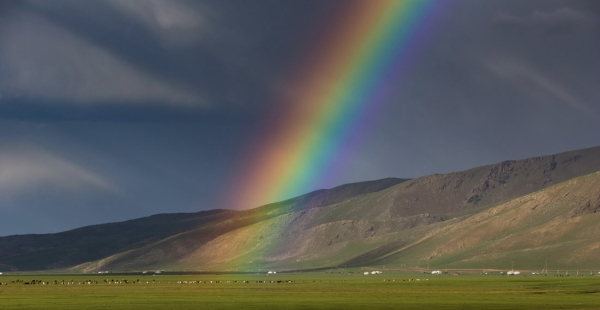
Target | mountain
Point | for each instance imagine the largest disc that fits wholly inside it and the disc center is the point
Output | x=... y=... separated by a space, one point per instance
x=516 y=211
x=65 y=249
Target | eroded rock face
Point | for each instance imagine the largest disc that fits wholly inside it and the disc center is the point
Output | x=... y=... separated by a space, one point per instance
x=510 y=179
x=591 y=206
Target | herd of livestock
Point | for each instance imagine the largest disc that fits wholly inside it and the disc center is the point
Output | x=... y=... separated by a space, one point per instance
x=138 y=281
x=125 y=281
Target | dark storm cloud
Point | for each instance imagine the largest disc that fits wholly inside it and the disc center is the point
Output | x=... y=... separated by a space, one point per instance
x=116 y=109
x=152 y=99
x=47 y=62
x=90 y=59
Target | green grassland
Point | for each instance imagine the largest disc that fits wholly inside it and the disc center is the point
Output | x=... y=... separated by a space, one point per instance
x=336 y=289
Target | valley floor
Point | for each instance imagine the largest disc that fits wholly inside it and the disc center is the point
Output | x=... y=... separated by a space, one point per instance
x=314 y=290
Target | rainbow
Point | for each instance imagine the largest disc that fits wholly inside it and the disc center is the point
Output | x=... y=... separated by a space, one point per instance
x=341 y=89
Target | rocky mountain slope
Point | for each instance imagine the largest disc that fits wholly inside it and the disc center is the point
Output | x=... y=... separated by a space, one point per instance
x=514 y=211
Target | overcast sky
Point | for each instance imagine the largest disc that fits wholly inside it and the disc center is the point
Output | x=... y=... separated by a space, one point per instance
x=117 y=109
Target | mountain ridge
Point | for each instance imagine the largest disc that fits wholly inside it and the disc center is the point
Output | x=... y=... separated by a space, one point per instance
x=357 y=223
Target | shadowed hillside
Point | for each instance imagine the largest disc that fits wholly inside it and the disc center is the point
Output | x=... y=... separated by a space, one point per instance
x=510 y=212
x=90 y=243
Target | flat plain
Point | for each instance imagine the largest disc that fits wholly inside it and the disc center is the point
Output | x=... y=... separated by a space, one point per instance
x=309 y=290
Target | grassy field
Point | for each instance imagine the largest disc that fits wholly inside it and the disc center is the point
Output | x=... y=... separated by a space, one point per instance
x=315 y=290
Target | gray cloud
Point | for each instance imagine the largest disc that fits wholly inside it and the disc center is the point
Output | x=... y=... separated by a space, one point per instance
x=174 y=23
x=561 y=21
x=534 y=83
x=26 y=169
x=42 y=60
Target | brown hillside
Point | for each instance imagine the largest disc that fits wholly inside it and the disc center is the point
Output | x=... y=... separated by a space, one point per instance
x=437 y=218
x=384 y=222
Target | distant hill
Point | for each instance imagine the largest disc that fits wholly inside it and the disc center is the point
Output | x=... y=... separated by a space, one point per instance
x=90 y=243
x=514 y=212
